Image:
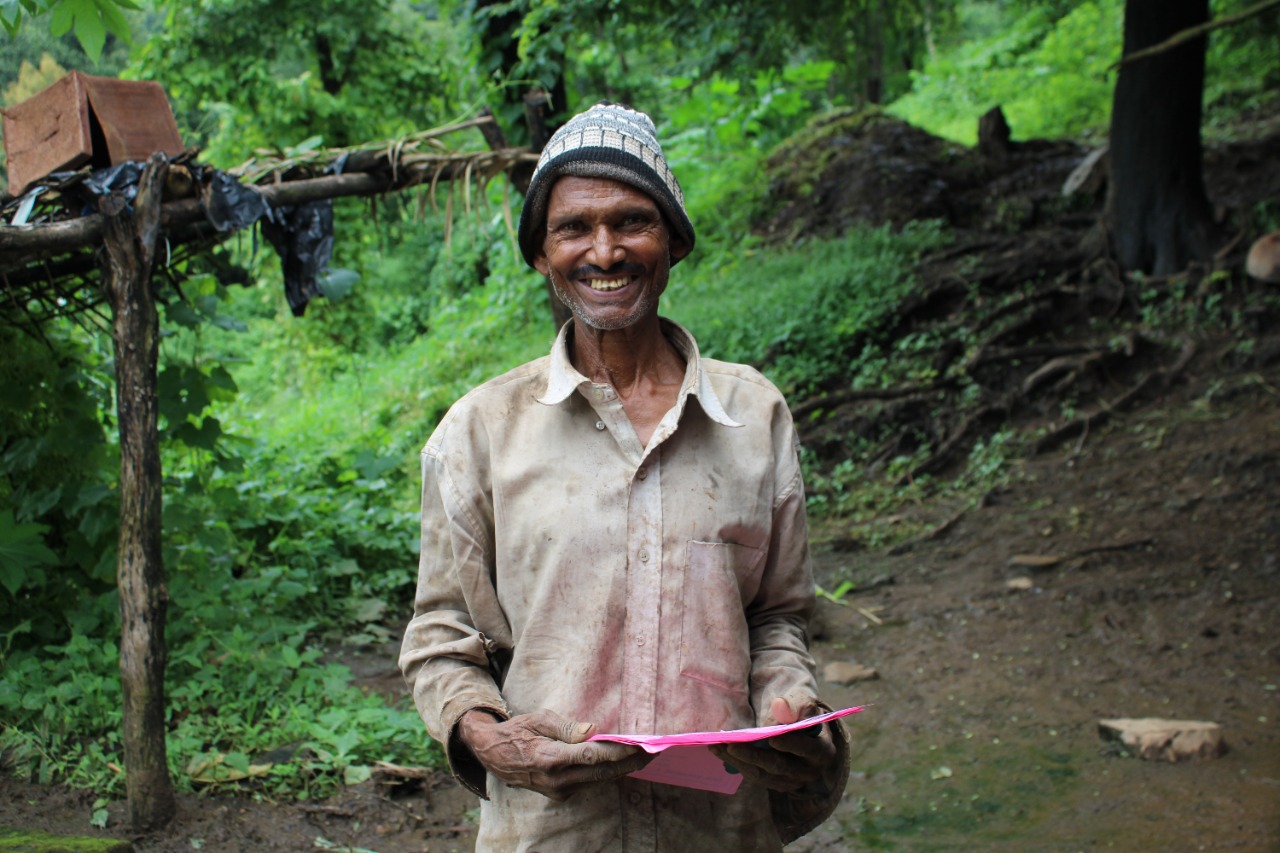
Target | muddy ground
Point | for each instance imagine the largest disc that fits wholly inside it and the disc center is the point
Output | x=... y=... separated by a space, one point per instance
x=982 y=727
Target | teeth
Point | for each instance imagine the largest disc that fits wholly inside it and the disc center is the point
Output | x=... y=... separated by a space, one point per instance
x=605 y=286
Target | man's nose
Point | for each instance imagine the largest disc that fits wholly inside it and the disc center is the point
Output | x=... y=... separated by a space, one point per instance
x=605 y=247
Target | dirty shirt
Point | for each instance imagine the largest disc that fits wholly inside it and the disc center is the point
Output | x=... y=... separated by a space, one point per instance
x=648 y=590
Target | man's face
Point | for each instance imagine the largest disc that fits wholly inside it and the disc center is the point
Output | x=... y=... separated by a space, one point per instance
x=607 y=251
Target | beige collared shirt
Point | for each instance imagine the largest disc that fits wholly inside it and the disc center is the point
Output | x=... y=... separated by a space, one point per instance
x=649 y=590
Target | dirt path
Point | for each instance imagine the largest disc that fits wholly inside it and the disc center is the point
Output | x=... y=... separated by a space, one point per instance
x=982 y=731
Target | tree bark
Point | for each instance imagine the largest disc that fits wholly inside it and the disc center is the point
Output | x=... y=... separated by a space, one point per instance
x=130 y=243
x=1158 y=213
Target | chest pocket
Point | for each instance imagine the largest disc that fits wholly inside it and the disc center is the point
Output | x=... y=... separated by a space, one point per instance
x=720 y=579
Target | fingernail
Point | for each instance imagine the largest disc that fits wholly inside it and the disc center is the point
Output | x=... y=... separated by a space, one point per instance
x=583 y=728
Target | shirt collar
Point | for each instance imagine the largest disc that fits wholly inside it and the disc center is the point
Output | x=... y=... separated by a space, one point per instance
x=563 y=378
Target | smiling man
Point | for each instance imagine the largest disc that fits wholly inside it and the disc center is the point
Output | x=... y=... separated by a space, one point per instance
x=614 y=540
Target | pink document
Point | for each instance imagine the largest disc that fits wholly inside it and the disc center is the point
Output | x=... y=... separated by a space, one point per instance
x=693 y=765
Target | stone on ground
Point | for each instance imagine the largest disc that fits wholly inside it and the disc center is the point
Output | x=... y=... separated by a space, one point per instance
x=1166 y=740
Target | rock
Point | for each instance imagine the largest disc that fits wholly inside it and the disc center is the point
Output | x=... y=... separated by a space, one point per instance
x=1263 y=262
x=1018 y=584
x=1166 y=740
x=1034 y=561
x=844 y=672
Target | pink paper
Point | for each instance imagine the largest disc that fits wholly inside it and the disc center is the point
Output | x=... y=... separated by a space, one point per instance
x=694 y=766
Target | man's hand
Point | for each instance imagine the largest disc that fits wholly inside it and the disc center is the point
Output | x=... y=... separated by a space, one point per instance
x=796 y=762
x=545 y=752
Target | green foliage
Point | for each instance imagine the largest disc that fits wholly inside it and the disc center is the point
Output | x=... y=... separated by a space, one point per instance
x=1241 y=71
x=1048 y=71
x=250 y=74
x=245 y=687
x=56 y=482
x=1049 y=66
x=90 y=20
x=853 y=284
x=32 y=79
x=717 y=136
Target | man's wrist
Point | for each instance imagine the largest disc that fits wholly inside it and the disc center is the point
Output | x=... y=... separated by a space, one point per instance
x=472 y=724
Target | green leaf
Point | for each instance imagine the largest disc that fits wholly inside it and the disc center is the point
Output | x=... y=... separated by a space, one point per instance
x=21 y=548
x=114 y=20
x=181 y=314
x=62 y=18
x=354 y=774
x=90 y=31
x=337 y=283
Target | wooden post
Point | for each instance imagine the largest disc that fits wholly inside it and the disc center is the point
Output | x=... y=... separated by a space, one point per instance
x=130 y=241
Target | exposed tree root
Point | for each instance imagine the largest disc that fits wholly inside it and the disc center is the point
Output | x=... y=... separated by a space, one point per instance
x=1099 y=416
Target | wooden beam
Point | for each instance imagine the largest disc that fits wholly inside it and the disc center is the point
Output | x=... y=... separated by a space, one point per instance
x=24 y=244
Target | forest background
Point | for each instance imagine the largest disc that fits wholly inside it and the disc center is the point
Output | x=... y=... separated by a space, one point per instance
x=290 y=444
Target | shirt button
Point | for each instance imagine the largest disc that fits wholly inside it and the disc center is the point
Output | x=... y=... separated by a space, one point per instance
x=599 y=424
x=634 y=797
x=640 y=640
x=644 y=556
x=642 y=473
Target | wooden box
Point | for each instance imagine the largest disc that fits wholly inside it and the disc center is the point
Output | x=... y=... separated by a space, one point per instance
x=81 y=119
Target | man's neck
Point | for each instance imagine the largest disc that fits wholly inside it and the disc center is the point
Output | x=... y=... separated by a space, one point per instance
x=627 y=358
x=639 y=362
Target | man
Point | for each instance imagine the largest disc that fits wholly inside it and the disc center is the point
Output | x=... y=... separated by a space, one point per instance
x=614 y=540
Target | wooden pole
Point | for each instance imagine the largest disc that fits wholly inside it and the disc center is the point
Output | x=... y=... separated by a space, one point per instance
x=130 y=242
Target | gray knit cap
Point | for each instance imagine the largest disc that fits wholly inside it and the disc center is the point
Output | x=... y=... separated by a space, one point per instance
x=606 y=141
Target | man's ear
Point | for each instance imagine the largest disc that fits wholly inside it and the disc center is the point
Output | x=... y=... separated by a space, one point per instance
x=540 y=263
x=680 y=248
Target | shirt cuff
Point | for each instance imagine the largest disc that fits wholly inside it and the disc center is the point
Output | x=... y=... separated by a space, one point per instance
x=463 y=764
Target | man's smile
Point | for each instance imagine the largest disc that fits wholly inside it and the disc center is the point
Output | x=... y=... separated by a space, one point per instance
x=605 y=285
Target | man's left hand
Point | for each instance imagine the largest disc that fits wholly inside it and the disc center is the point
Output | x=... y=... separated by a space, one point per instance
x=794 y=762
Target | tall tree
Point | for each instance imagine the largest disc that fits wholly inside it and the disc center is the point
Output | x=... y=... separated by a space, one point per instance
x=1157 y=210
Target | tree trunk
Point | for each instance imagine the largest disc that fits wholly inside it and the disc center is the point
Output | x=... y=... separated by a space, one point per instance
x=1157 y=210
x=130 y=243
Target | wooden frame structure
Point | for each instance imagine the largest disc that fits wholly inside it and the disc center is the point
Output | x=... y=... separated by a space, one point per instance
x=122 y=242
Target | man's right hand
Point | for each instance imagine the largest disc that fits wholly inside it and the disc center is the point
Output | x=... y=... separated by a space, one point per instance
x=544 y=752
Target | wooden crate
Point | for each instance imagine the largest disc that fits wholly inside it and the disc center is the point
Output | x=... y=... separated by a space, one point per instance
x=82 y=119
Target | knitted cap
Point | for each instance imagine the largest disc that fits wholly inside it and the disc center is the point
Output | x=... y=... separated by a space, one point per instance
x=606 y=141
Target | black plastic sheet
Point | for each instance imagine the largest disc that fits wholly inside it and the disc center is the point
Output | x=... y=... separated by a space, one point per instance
x=122 y=178
x=303 y=237
x=230 y=205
